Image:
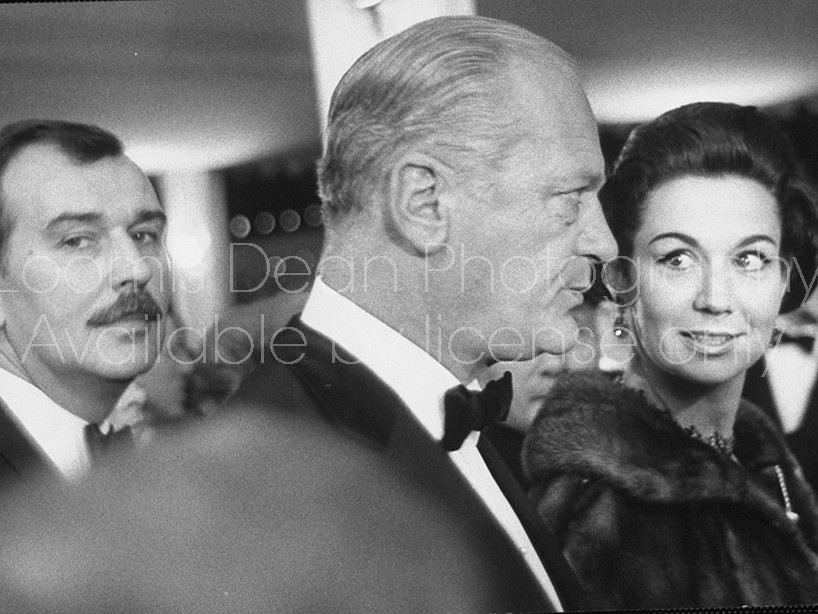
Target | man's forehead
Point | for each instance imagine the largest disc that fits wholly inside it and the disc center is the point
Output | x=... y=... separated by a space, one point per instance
x=568 y=156
x=551 y=82
x=552 y=107
x=37 y=160
x=45 y=164
x=45 y=183
x=578 y=156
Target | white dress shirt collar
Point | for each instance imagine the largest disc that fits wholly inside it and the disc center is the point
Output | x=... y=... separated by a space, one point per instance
x=417 y=378
x=57 y=433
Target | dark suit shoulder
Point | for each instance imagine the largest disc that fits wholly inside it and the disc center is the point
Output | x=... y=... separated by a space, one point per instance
x=305 y=372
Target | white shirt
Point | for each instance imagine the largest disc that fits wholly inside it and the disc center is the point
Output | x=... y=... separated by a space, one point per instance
x=402 y=365
x=792 y=373
x=56 y=433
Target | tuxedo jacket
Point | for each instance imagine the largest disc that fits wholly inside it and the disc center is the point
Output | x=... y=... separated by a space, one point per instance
x=20 y=461
x=304 y=372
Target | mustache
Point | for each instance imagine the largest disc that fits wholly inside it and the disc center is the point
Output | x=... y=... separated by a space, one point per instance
x=126 y=305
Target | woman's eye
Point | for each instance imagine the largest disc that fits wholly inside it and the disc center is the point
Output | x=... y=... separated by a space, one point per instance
x=677 y=260
x=752 y=261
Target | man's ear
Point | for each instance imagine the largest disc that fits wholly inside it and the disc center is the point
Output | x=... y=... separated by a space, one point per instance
x=415 y=209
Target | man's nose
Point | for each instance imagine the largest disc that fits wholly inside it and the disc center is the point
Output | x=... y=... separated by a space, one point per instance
x=596 y=240
x=129 y=265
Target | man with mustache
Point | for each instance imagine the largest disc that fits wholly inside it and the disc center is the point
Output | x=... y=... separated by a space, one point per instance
x=84 y=286
x=459 y=177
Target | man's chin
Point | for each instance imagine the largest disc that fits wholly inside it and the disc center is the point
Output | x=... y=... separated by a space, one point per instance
x=557 y=341
x=125 y=373
x=126 y=366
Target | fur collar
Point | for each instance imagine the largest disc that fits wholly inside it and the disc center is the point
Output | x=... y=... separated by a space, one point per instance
x=594 y=428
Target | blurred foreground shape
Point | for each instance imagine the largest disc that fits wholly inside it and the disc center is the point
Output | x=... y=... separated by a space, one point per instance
x=243 y=513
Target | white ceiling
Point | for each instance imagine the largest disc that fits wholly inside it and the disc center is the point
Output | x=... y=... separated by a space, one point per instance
x=643 y=57
x=206 y=83
x=197 y=83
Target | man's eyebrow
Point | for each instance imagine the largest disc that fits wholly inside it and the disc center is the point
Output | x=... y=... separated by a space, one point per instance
x=581 y=179
x=80 y=218
x=143 y=216
x=150 y=215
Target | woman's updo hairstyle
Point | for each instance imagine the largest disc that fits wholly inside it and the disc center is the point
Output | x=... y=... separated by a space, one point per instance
x=711 y=139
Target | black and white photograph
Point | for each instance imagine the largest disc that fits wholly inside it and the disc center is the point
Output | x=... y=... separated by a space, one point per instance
x=449 y=306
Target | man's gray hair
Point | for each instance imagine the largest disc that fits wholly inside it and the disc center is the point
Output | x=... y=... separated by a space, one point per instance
x=441 y=84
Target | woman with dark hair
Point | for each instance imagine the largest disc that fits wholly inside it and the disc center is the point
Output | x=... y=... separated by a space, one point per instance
x=665 y=488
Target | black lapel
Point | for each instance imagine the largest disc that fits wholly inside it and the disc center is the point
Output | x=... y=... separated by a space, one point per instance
x=19 y=460
x=508 y=443
x=565 y=582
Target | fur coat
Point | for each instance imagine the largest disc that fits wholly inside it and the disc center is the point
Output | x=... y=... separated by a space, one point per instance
x=650 y=517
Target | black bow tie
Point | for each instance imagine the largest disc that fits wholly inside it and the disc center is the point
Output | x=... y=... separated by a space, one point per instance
x=99 y=445
x=469 y=410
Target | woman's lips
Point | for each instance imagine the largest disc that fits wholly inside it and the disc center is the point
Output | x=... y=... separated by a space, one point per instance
x=710 y=342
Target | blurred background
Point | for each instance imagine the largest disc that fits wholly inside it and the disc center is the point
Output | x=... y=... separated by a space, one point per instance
x=222 y=101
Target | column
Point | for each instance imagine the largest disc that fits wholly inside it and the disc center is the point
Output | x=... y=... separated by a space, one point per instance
x=342 y=30
x=198 y=241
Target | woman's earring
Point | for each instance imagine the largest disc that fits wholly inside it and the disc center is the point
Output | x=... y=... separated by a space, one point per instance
x=620 y=329
x=617 y=343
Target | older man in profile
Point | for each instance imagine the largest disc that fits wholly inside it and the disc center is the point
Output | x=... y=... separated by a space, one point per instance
x=459 y=181
x=83 y=290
